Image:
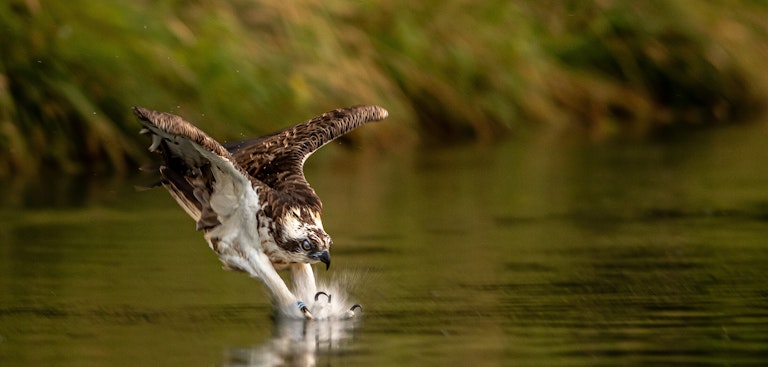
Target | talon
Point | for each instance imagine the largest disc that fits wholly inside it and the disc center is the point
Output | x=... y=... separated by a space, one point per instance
x=351 y=313
x=317 y=295
x=304 y=310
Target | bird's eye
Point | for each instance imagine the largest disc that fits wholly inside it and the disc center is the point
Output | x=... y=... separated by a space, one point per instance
x=306 y=245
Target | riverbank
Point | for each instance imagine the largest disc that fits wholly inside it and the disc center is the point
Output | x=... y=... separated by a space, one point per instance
x=447 y=71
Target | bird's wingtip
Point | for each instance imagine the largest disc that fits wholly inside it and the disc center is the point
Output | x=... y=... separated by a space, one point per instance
x=381 y=113
x=372 y=112
x=140 y=112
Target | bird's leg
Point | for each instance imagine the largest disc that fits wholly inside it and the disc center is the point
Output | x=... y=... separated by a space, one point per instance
x=303 y=280
x=262 y=268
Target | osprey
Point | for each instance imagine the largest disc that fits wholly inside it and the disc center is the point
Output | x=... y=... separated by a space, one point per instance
x=251 y=199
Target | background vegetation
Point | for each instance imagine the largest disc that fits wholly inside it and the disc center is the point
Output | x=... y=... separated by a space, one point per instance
x=447 y=70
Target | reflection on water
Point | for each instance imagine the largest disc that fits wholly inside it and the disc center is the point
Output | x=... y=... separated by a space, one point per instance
x=529 y=253
x=295 y=343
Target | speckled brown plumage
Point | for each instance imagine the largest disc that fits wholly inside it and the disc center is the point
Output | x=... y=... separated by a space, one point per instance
x=250 y=197
x=277 y=159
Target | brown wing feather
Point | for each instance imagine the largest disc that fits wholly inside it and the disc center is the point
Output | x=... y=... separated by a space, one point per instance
x=277 y=159
x=186 y=169
x=175 y=125
x=274 y=162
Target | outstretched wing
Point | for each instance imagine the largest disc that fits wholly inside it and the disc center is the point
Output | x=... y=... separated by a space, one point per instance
x=199 y=172
x=277 y=159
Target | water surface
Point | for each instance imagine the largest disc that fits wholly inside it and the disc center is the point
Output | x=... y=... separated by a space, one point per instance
x=533 y=252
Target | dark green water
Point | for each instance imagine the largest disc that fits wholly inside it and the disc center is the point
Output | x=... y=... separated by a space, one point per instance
x=529 y=253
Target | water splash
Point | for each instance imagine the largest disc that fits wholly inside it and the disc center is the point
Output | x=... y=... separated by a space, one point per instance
x=300 y=342
x=334 y=303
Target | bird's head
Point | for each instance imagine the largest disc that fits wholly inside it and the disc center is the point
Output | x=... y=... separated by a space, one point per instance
x=304 y=238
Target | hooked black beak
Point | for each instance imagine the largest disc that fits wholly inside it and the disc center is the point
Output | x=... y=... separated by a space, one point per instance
x=323 y=256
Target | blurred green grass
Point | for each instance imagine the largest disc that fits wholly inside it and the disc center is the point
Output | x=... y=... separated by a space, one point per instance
x=447 y=71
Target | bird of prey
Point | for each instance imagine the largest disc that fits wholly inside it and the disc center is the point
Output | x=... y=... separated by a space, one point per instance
x=251 y=199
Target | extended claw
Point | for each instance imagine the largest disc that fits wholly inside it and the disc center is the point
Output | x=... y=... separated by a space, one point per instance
x=317 y=295
x=304 y=310
x=351 y=312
